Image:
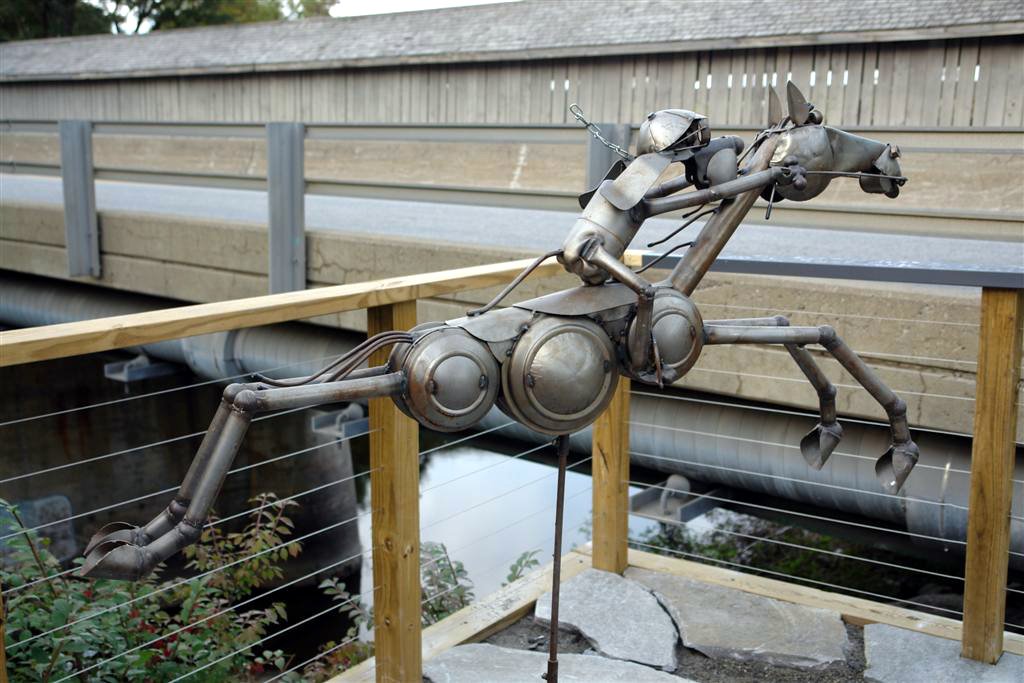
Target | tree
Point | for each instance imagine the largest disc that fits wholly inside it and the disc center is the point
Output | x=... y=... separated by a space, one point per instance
x=155 y=15
x=27 y=19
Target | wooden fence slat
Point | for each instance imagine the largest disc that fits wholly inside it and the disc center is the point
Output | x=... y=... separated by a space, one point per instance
x=853 y=76
x=103 y=334
x=395 y=526
x=610 y=468
x=834 y=107
x=992 y=462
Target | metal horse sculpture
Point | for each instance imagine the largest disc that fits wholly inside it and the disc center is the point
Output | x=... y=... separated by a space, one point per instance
x=552 y=363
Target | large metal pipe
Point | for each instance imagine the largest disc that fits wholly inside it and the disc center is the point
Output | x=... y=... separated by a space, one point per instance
x=756 y=450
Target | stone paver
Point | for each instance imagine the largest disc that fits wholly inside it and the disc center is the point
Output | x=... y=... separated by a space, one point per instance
x=897 y=655
x=724 y=623
x=620 y=618
x=481 y=662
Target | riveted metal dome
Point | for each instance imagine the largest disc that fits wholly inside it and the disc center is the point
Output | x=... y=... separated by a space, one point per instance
x=672 y=129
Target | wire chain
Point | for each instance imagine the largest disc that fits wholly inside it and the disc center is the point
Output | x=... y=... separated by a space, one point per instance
x=577 y=112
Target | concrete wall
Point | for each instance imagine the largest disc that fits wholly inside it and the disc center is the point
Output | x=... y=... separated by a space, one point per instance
x=922 y=340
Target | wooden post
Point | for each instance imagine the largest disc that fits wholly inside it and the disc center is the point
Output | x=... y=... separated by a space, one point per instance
x=394 y=493
x=992 y=460
x=611 y=483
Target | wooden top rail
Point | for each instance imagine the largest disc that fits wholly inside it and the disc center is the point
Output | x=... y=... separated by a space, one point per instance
x=103 y=334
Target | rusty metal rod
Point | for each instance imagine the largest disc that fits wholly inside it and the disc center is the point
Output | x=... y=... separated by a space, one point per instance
x=719 y=228
x=562 y=444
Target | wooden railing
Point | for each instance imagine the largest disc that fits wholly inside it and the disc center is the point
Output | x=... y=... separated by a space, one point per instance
x=391 y=304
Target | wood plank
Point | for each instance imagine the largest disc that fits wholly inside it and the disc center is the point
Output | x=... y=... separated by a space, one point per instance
x=755 y=109
x=737 y=71
x=1000 y=64
x=395 y=525
x=853 y=76
x=834 y=105
x=852 y=609
x=611 y=483
x=483 y=618
x=898 y=95
x=933 y=71
x=102 y=334
x=992 y=462
x=947 y=89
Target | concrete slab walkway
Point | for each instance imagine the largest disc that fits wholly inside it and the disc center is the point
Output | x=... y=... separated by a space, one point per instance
x=897 y=655
x=481 y=662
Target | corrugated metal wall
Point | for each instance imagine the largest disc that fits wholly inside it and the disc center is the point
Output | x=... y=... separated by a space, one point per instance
x=938 y=83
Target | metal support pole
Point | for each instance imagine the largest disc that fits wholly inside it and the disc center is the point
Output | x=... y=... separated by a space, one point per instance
x=81 y=228
x=286 y=187
x=992 y=460
x=601 y=158
x=562 y=444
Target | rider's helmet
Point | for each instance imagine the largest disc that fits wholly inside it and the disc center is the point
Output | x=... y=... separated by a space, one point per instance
x=672 y=130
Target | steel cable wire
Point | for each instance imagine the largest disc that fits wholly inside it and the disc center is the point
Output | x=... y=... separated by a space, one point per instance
x=858 y=316
x=161 y=392
x=210 y=617
x=269 y=636
x=112 y=454
x=810 y=516
x=182 y=582
x=314 y=616
x=816 y=550
x=784 y=411
x=210 y=525
x=172 y=489
x=792 y=577
x=501 y=461
x=790 y=446
x=502 y=495
x=488 y=572
x=803 y=481
x=312 y=659
x=841 y=385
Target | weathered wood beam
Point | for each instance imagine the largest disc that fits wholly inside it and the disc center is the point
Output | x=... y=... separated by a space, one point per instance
x=992 y=462
x=395 y=525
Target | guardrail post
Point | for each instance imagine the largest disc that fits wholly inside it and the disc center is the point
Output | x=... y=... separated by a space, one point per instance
x=81 y=229
x=286 y=190
x=599 y=157
x=395 y=497
x=992 y=461
x=610 y=468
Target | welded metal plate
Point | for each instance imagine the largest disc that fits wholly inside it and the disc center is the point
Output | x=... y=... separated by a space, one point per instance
x=629 y=188
x=582 y=300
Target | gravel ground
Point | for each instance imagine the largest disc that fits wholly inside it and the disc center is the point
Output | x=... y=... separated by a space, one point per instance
x=527 y=635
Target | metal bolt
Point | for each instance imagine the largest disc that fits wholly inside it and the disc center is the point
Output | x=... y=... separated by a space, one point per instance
x=530 y=381
x=483 y=382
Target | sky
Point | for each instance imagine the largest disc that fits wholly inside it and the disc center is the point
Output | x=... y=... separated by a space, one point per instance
x=343 y=8
x=351 y=8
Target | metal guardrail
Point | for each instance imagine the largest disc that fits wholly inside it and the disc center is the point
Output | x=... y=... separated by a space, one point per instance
x=953 y=275
x=921 y=219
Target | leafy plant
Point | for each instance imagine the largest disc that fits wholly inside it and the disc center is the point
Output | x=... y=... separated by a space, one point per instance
x=446 y=584
x=524 y=563
x=146 y=630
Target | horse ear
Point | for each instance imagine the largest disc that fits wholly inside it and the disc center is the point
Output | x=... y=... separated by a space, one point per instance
x=799 y=110
x=774 y=108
